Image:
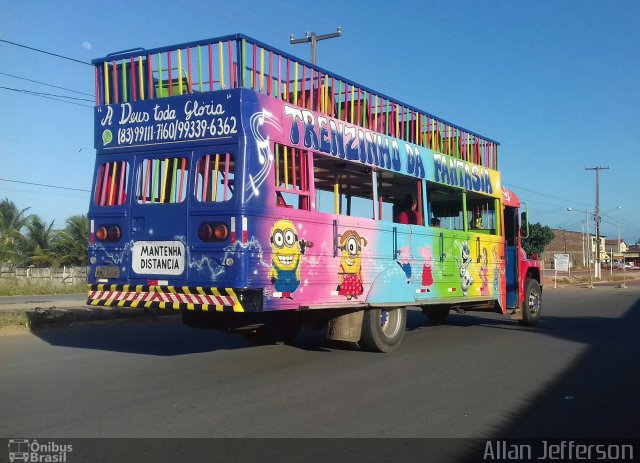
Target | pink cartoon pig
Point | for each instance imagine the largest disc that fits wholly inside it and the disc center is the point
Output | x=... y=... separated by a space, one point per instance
x=427 y=274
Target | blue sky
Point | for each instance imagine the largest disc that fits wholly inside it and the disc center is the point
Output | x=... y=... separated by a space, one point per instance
x=555 y=82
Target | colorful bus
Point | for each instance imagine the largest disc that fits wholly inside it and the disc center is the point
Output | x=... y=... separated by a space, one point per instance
x=256 y=193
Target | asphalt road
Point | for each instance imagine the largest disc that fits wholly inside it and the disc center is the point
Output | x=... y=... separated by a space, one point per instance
x=576 y=375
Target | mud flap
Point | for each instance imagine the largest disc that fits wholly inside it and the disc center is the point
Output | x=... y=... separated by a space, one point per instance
x=346 y=327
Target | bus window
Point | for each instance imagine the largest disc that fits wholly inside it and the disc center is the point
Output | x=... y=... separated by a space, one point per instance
x=215 y=178
x=111 y=184
x=291 y=178
x=481 y=213
x=394 y=191
x=162 y=180
x=324 y=181
x=446 y=205
x=355 y=191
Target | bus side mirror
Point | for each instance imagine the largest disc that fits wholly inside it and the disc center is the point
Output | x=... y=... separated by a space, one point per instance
x=524 y=224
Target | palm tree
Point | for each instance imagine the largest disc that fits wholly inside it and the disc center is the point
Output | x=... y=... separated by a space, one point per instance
x=12 y=221
x=71 y=243
x=39 y=241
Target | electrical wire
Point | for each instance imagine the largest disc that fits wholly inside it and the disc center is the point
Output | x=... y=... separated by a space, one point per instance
x=44 y=83
x=49 y=96
x=45 y=52
x=44 y=185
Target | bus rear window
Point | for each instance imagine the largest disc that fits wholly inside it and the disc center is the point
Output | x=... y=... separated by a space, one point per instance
x=215 y=178
x=162 y=180
x=111 y=184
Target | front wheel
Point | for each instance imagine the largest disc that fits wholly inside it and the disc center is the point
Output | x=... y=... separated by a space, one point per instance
x=382 y=329
x=532 y=305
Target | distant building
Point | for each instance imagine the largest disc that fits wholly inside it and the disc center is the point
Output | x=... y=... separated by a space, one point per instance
x=567 y=242
x=632 y=254
x=617 y=249
x=581 y=248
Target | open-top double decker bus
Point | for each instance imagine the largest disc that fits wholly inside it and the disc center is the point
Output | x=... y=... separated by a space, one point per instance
x=256 y=193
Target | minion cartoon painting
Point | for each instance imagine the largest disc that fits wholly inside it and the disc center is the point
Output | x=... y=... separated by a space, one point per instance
x=350 y=274
x=288 y=251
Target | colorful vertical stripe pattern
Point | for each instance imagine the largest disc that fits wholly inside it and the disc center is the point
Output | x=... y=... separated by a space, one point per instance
x=162 y=180
x=227 y=64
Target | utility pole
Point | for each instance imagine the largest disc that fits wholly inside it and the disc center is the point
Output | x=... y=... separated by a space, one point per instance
x=313 y=38
x=597 y=219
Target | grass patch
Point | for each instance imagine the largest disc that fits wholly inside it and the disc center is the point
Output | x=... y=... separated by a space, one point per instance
x=27 y=288
x=13 y=319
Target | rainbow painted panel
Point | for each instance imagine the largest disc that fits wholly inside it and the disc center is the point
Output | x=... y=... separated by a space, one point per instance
x=300 y=258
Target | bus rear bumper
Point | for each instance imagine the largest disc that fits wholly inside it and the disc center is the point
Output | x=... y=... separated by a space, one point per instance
x=199 y=298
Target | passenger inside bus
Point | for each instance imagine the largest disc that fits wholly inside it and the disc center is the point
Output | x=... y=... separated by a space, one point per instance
x=435 y=222
x=409 y=214
x=476 y=223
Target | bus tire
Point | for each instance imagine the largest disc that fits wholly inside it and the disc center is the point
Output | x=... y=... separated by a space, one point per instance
x=383 y=329
x=532 y=304
x=436 y=315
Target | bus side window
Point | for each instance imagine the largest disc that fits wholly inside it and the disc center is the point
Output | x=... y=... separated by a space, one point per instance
x=481 y=213
x=291 y=172
x=446 y=205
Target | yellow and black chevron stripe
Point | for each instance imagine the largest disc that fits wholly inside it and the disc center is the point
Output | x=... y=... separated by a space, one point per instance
x=165 y=297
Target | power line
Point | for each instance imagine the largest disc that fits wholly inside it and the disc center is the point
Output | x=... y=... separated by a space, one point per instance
x=33 y=92
x=43 y=193
x=44 y=185
x=49 y=96
x=44 y=83
x=541 y=194
x=46 y=52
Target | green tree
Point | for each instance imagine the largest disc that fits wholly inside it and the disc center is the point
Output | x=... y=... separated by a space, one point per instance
x=71 y=243
x=539 y=237
x=38 y=245
x=12 y=221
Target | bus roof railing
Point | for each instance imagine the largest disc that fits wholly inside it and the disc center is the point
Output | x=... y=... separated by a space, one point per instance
x=127 y=76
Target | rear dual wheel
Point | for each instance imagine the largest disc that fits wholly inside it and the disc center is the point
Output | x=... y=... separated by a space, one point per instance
x=383 y=329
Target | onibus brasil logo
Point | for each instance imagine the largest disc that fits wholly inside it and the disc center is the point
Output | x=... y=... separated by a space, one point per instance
x=33 y=451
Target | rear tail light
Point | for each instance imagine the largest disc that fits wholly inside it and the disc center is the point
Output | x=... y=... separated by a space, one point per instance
x=205 y=232
x=213 y=232
x=108 y=233
x=114 y=233
x=221 y=232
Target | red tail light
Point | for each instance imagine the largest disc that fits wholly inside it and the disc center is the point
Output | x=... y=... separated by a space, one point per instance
x=221 y=232
x=101 y=233
x=213 y=232
x=205 y=232
x=114 y=233
x=108 y=233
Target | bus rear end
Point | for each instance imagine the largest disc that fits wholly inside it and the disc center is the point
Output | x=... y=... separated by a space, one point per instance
x=166 y=224
x=163 y=226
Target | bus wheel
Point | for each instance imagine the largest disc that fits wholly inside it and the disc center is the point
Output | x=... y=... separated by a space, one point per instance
x=382 y=329
x=436 y=315
x=532 y=303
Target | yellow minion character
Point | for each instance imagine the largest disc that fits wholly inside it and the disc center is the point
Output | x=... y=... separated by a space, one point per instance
x=350 y=274
x=287 y=256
